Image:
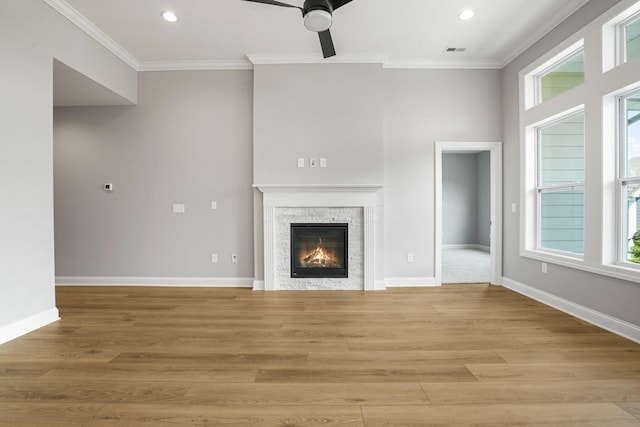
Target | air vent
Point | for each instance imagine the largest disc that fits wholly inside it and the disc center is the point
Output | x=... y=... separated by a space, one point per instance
x=455 y=49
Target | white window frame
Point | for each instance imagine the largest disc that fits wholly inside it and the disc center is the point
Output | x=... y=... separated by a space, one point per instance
x=531 y=89
x=551 y=188
x=621 y=37
x=623 y=180
x=567 y=56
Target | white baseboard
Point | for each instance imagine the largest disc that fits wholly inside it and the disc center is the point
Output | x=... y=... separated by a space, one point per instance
x=31 y=323
x=258 y=285
x=410 y=282
x=604 y=321
x=380 y=285
x=468 y=246
x=201 y=282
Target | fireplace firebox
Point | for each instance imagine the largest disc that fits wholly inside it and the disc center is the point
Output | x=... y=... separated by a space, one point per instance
x=319 y=250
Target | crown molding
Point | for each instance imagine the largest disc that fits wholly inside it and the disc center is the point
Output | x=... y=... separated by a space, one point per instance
x=315 y=59
x=241 y=64
x=62 y=7
x=442 y=64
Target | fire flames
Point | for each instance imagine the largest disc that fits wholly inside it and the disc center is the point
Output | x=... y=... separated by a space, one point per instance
x=320 y=258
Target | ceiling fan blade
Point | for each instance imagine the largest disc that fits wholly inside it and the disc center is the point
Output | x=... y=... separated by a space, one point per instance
x=275 y=3
x=326 y=42
x=339 y=3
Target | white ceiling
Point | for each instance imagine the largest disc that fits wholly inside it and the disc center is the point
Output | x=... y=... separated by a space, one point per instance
x=406 y=32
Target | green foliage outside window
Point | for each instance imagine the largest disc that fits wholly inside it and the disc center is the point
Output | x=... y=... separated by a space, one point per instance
x=634 y=252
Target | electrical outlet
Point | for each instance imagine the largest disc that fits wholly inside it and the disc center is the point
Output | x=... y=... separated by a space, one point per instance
x=410 y=257
x=323 y=162
x=214 y=205
x=544 y=268
x=300 y=162
x=214 y=258
x=513 y=207
x=178 y=208
x=234 y=258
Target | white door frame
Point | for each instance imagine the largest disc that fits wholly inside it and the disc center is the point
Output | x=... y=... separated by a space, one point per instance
x=495 y=150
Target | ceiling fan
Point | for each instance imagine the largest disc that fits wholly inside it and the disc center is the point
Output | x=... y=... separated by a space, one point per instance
x=317 y=16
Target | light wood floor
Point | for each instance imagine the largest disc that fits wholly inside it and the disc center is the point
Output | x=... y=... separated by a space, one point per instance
x=457 y=355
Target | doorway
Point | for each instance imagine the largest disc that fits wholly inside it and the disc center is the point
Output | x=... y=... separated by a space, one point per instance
x=468 y=224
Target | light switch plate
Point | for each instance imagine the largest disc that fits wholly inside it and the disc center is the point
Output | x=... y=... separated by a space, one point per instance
x=214 y=204
x=178 y=208
x=300 y=162
x=323 y=162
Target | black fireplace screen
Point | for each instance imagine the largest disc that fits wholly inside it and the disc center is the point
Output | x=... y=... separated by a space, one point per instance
x=319 y=250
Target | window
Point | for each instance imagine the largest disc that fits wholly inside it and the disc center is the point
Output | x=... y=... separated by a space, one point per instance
x=630 y=38
x=560 y=184
x=561 y=76
x=580 y=149
x=629 y=174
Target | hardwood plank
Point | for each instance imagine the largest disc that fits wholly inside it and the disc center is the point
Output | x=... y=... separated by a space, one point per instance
x=237 y=416
x=533 y=392
x=306 y=394
x=355 y=375
x=90 y=391
x=629 y=352
x=47 y=413
x=151 y=372
x=556 y=371
x=534 y=415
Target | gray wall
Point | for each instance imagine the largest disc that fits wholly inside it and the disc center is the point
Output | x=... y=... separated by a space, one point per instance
x=483 y=182
x=466 y=198
x=614 y=297
x=421 y=107
x=31 y=35
x=312 y=111
x=333 y=111
x=459 y=199
x=187 y=141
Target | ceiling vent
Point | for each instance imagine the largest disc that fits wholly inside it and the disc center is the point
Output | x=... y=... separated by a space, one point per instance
x=455 y=49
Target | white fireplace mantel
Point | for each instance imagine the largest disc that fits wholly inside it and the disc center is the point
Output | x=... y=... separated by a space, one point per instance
x=317 y=196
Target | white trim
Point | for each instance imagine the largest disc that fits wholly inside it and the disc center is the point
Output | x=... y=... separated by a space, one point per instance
x=604 y=321
x=259 y=59
x=212 y=65
x=468 y=246
x=258 y=285
x=495 y=150
x=287 y=188
x=205 y=282
x=380 y=285
x=31 y=323
x=440 y=64
x=62 y=7
x=411 y=282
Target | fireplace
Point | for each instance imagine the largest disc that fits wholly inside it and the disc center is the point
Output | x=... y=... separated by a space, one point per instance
x=319 y=250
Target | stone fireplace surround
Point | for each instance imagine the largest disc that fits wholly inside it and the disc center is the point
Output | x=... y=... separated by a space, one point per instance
x=284 y=204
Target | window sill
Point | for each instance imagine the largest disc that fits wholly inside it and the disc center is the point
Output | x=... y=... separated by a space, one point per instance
x=629 y=274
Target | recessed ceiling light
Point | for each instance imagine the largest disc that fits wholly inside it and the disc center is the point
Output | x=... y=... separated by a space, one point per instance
x=466 y=15
x=169 y=16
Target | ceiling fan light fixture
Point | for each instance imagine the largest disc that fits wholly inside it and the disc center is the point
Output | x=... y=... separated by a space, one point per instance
x=317 y=20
